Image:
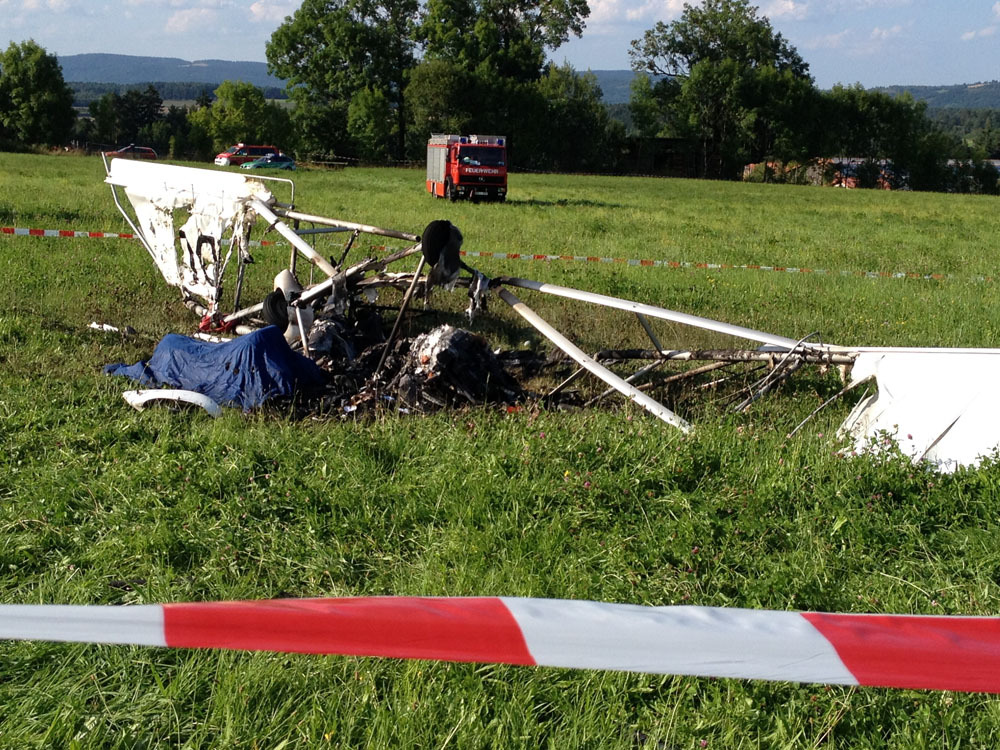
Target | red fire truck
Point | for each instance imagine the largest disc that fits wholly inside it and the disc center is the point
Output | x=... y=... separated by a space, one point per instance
x=467 y=166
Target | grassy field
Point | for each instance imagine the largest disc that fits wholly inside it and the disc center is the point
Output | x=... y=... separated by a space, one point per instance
x=101 y=504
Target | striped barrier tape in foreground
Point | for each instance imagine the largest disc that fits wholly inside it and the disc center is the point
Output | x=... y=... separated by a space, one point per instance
x=899 y=651
x=21 y=232
x=646 y=263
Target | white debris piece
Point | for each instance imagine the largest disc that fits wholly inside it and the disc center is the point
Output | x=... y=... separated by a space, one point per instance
x=189 y=256
x=942 y=407
x=139 y=399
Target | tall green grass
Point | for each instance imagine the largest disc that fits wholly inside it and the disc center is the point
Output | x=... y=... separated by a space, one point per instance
x=101 y=504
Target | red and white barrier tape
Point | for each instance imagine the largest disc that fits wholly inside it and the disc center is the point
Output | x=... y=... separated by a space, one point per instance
x=20 y=232
x=583 y=258
x=720 y=266
x=899 y=651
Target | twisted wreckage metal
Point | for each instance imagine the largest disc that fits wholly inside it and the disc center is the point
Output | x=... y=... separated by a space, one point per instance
x=938 y=405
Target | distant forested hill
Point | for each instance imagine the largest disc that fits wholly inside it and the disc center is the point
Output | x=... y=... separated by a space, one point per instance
x=615 y=86
x=962 y=96
x=133 y=69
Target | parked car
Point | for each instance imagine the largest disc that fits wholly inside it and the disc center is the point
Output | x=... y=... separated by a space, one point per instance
x=271 y=161
x=241 y=153
x=132 y=151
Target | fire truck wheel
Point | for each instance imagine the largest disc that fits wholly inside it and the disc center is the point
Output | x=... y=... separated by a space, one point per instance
x=449 y=191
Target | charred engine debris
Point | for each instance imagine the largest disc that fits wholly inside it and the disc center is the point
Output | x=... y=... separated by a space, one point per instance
x=443 y=367
x=370 y=367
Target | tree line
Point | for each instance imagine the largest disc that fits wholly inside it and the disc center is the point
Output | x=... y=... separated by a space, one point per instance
x=372 y=79
x=728 y=83
x=85 y=92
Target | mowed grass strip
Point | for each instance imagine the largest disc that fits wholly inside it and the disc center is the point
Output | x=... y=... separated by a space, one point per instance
x=101 y=504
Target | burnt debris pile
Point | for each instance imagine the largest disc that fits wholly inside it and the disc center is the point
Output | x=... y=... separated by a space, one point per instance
x=445 y=367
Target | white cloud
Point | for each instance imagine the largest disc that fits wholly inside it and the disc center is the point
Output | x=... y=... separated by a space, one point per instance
x=183 y=4
x=986 y=31
x=191 y=19
x=830 y=41
x=651 y=9
x=796 y=11
x=609 y=13
x=839 y=5
x=968 y=36
x=882 y=35
x=272 y=11
x=614 y=12
x=56 y=6
x=856 y=44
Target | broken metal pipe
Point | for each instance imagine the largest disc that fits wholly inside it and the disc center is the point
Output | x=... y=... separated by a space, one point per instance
x=591 y=365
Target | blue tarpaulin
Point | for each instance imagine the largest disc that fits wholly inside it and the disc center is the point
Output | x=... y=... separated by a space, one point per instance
x=244 y=372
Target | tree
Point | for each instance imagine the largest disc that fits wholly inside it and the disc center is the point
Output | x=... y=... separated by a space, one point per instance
x=718 y=30
x=120 y=118
x=240 y=113
x=723 y=76
x=204 y=99
x=506 y=38
x=650 y=108
x=574 y=131
x=329 y=50
x=891 y=135
x=137 y=110
x=104 y=116
x=443 y=97
x=36 y=105
x=786 y=123
x=369 y=122
x=987 y=140
x=447 y=97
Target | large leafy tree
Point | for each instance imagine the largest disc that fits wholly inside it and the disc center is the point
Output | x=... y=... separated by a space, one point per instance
x=36 y=105
x=138 y=110
x=722 y=76
x=891 y=135
x=443 y=98
x=104 y=119
x=573 y=130
x=369 y=121
x=716 y=31
x=484 y=70
x=241 y=113
x=331 y=50
x=506 y=38
x=119 y=118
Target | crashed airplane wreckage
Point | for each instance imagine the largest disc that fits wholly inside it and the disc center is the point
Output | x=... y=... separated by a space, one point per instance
x=938 y=405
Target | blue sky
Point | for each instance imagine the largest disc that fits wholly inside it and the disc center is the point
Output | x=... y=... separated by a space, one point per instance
x=872 y=42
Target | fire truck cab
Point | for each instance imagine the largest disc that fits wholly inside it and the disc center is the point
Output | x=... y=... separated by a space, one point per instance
x=467 y=166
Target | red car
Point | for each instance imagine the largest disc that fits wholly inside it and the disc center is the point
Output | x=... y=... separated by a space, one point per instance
x=132 y=151
x=242 y=153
